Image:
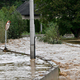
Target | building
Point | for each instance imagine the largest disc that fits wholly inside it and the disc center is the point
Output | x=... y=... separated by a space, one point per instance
x=24 y=10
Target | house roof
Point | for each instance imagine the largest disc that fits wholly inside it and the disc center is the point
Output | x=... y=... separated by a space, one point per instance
x=24 y=9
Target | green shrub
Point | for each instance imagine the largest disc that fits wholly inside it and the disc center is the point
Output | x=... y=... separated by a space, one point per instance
x=2 y=32
x=52 y=34
x=17 y=27
x=2 y=27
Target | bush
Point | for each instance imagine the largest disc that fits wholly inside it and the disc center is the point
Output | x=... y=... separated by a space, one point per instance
x=2 y=27
x=17 y=24
x=2 y=32
x=17 y=27
x=52 y=34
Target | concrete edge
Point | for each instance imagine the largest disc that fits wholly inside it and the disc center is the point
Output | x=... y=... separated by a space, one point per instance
x=52 y=73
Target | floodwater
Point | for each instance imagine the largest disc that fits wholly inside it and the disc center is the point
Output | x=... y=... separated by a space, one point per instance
x=20 y=67
x=66 y=55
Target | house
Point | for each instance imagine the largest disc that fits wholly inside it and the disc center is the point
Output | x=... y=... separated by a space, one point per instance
x=24 y=10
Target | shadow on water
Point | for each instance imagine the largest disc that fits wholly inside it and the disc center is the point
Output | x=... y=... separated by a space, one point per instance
x=20 y=67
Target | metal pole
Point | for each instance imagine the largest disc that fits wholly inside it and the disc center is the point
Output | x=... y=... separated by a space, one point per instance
x=34 y=43
x=5 y=37
x=32 y=52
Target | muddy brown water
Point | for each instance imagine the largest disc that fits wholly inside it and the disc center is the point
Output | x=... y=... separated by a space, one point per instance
x=72 y=41
x=20 y=67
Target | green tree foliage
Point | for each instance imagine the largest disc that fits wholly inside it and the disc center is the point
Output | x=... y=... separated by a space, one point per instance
x=2 y=24
x=17 y=24
x=17 y=27
x=8 y=3
x=65 y=12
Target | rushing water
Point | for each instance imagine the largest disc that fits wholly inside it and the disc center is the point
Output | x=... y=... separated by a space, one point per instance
x=20 y=67
x=66 y=55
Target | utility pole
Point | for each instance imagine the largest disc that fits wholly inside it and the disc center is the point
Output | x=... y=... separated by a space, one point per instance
x=32 y=45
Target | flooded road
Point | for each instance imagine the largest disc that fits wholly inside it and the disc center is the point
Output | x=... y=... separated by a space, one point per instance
x=20 y=67
x=66 y=55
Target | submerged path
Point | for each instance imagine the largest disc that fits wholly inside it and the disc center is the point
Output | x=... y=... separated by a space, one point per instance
x=67 y=56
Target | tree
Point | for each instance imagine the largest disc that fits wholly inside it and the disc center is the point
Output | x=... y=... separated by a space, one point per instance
x=65 y=12
x=8 y=3
x=17 y=26
x=2 y=24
